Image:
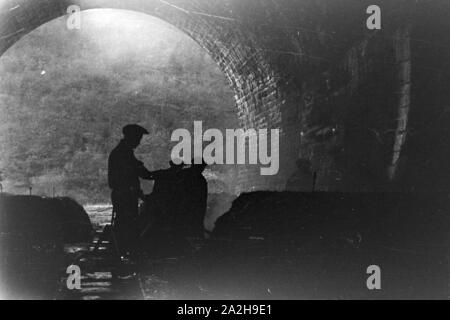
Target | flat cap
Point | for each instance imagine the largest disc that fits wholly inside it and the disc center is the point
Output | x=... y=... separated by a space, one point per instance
x=134 y=130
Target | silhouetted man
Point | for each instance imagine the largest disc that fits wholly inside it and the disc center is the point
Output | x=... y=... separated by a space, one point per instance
x=163 y=205
x=124 y=171
x=166 y=180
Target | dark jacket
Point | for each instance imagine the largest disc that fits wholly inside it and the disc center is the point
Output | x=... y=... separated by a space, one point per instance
x=124 y=170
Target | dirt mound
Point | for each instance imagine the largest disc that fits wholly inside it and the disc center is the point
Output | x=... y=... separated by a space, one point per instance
x=319 y=245
x=400 y=218
x=42 y=220
x=33 y=231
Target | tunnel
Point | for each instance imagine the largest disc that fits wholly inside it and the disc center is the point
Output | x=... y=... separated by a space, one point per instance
x=304 y=68
x=368 y=108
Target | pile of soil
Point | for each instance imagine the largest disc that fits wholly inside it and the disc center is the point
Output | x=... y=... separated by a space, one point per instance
x=58 y=220
x=33 y=232
x=288 y=245
x=401 y=219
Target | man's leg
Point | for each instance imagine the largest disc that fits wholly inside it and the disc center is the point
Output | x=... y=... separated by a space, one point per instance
x=125 y=208
x=130 y=231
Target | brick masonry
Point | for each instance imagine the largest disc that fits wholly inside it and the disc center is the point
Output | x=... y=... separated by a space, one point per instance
x=342 y=96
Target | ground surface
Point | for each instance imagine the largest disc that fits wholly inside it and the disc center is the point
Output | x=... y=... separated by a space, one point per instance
x=267 y=247
x=250 y=265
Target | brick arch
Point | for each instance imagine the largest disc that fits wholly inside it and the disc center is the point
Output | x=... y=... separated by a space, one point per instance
x=277 y=54
x=237 y=53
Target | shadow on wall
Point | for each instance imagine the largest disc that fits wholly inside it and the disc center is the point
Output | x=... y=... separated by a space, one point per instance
x=218 y=204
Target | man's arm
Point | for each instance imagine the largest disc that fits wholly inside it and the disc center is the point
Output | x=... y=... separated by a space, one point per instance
x=144 y=173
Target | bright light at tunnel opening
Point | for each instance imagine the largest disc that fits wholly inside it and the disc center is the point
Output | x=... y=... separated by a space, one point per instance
x=119 y=33
x=119 y=18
